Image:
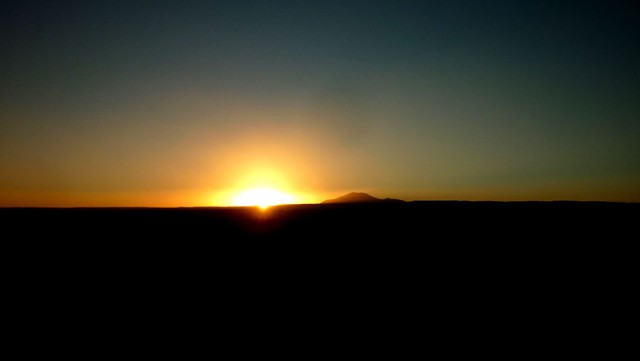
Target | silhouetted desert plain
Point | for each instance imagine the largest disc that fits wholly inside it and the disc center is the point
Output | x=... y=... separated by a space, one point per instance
x=388 y=221
x=460 y=253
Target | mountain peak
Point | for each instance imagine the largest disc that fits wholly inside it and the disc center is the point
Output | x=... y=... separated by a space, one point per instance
x=358 y=197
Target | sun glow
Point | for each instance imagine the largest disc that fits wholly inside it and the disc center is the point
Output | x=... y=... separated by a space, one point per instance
x=262 y=186
x=262 y=197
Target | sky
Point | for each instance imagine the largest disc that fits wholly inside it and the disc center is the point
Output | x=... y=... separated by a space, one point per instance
x=186 y=103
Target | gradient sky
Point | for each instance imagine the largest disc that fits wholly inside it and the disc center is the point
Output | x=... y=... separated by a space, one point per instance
x=182 y=103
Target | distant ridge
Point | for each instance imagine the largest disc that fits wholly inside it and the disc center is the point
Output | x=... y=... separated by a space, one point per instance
x=357 y=197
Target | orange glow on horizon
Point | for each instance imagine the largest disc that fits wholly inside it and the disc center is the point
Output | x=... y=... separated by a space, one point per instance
x=263 y=198
x=262 y=186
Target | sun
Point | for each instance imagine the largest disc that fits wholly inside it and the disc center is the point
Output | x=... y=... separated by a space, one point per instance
x=262 y=197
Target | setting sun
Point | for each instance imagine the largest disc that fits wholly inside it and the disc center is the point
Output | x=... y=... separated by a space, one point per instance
x=262 y=197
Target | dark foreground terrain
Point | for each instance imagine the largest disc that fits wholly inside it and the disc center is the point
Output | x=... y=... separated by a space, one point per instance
x=440 y=238
x=458 y=235
x=438 y=229
x=404 y=233
x=472 y=267
x=423 y=221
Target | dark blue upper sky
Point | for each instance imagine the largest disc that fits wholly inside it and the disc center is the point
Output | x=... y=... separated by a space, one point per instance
x=417 y=99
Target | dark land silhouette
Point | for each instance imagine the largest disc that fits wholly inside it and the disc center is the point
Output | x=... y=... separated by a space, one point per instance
x=366 y=219
x=356 y=197
x=452 y=239
x=466 y=261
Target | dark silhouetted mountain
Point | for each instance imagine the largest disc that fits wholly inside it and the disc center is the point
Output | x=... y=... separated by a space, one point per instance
x=356 y=197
